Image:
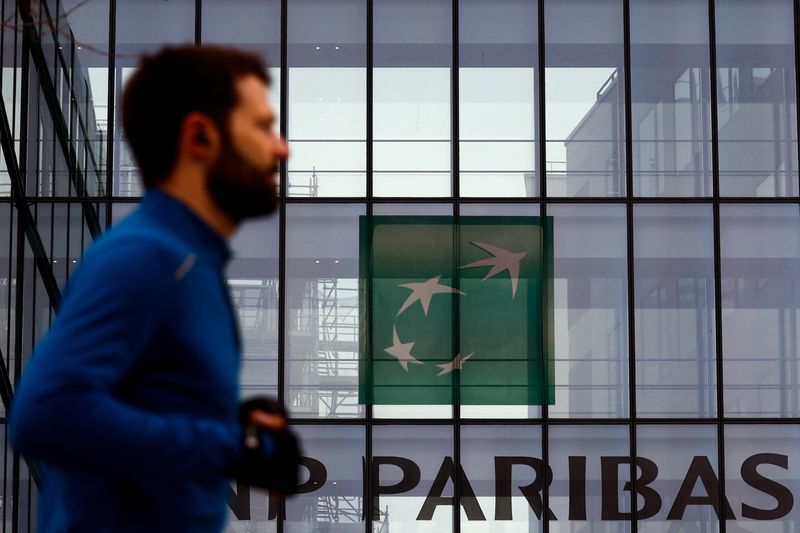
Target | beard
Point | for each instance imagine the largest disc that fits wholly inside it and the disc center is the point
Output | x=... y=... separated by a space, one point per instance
x=239 y=188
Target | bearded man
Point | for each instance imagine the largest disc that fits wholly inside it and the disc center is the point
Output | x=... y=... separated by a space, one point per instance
x=131 y=399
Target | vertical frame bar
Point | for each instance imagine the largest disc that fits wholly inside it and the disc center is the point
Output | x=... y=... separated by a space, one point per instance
x=455 y=169
x=112 y=106
x=369 y=502
x=541 y=135
x=720 y=418
x=628 y=144
x=284 y=187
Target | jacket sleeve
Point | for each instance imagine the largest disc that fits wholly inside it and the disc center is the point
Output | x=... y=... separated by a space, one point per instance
x=65 y=412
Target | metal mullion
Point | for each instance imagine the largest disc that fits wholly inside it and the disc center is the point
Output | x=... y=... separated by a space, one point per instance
x=483 y=200
x=198 y=21
x=542 y=136
x=111 y=108
x=368 y=497
x=536 y=421
x=628 y=144
x=283 y=188
x=712 y=41
x=455 y=166
x=797 y=84
x=281 y=235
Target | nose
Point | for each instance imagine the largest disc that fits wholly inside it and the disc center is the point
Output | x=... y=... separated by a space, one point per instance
x=282 y=149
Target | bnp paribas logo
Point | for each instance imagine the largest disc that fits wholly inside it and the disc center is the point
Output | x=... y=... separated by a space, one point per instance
x=456 y=310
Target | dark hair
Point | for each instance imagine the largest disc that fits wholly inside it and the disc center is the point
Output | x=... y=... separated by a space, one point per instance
x=171 y=84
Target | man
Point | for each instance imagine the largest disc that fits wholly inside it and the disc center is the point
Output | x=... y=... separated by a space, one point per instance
x=131 y=400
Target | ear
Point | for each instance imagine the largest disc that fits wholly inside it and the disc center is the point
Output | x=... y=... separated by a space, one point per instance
x=199 y=138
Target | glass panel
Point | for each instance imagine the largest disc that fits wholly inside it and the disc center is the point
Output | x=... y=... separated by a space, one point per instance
x=507 y=457
x=334 y=481
x=253 y=284
x=327 y=97
x=762 y=478
x=406 y=461
x=757 y=97
x=584 y=98
x=253 y=26
x=498 y=86
x=143 y=26
x=670 y=98
x=680 y=464
x=591 y=315
x=595 y=460
x=674 y=299
x=760 y=304
x=411 y=89
x=322 y=310
x=89 y=84
x=413 y=411
x=500 y=411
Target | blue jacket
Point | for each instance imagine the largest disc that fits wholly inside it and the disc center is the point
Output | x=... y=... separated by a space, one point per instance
x=130 y=400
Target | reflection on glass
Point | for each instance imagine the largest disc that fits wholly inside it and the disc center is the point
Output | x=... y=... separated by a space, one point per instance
x=412 y=457
x=599 y=455
x=413 y=411
x=585 y=98
x=253 y=26
x=672 y=459
x=143 y=26
x=252 y=276
x=500 y=411
x=335 y=499
x=743 y=448
x=757 y=98
x=674 y=299
x=88 y=82
x=480 y=446
x=671 y=99
x=327 y=98
x=322 y=311
x=497 y=98
x=760 y=304
x=411 y=90
x=591 y=317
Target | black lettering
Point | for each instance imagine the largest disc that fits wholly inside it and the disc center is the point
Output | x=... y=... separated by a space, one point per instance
x=783 y=496
x=410 y=479
x=700 y=468
x=609 y=480
x=502 y=486
x=239 y=501
x=274 y=502
x=577 y=488
x=652 y=501
x=434 y=498
x=609 y=472
x=317 y=475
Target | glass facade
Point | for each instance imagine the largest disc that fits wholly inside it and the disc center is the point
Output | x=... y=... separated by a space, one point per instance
x=660 y=137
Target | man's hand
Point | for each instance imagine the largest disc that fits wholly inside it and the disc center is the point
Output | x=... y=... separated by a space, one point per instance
x=263 y=420
x=271 y=456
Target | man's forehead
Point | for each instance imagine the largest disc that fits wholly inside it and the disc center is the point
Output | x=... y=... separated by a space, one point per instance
x=253 y=94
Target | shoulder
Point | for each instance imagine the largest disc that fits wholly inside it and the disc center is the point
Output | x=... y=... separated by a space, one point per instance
x=131 y=257
x=138 y=242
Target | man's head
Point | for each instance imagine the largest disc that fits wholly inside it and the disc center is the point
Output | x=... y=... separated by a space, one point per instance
x=206 y=108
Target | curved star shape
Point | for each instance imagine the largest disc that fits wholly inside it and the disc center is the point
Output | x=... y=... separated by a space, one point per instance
x=456 y=364
x=502 y=260
x=402 y=351
x=424 y=292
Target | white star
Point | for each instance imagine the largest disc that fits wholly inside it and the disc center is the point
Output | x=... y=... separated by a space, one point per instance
x=402 y=351
x=502 y=260
x=424 y=292
x=455 y=364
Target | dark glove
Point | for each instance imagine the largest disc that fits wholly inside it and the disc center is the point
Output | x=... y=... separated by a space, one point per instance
x=270 y=459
